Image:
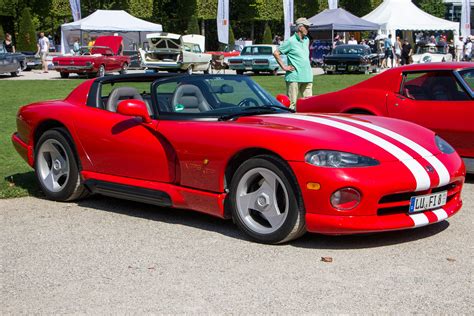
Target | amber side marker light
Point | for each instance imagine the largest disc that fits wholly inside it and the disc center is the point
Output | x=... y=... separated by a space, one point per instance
x=313 y=186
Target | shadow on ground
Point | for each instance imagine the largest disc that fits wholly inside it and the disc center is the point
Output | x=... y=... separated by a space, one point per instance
x=227 y=228
x=26 y=181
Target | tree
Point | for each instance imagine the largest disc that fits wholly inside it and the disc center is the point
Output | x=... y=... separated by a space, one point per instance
x=433 y=7
x=231 y=38
x=267 y=35
x=357 y=7
x=306 y=8
x=27 y=33
x=193 y=27
x=2 y=34
x=141 y=8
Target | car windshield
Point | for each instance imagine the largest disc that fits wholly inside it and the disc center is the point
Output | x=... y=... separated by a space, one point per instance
x=468 y=77
x=212 y=96
x=431 y=49
x=349 y=50
x=256 y=50
x=2 y=49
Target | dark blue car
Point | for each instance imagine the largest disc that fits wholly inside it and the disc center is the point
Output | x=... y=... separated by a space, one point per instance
x=12 y=63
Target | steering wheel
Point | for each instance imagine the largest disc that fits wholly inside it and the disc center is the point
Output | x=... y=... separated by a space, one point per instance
x=248 y=102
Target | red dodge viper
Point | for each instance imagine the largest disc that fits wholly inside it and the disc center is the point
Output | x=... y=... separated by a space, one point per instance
x=221 y=145
x=438 y=96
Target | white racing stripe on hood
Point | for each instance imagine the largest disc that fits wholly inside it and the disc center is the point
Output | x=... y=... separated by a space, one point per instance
x=422 y=178
x=442 y=171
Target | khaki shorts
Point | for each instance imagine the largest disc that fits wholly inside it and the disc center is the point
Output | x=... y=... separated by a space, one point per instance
x=43 y=56
x=296 y=90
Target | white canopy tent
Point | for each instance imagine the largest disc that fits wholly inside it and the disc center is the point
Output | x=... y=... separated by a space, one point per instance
x=403 y=15
x=107 y=22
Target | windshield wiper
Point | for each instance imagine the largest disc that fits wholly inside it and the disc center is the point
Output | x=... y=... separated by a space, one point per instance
x=255 y=110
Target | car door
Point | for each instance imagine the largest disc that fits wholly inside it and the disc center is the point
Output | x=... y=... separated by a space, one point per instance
x=436 y=100
x=123 y=146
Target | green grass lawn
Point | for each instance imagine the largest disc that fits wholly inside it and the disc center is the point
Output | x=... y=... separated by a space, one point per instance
x=17 y=178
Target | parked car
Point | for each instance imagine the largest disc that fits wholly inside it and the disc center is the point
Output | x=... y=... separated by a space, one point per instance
x=32 y=60
x=438 y=96
x=223 y=56
x=175 y=53
x=351 y=58
x=221 y=145
x=256 y=58
x=104 y=57
x=432 y=53
x=12 y=63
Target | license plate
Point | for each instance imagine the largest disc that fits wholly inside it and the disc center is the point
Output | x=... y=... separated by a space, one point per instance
x=31 y=63
x=426 y=202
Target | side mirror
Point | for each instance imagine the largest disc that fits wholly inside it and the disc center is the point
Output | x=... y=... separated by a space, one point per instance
x=283 y=99
x=134 y=107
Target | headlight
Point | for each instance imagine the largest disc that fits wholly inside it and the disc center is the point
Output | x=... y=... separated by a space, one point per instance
x=338 y=159
x=443 y=145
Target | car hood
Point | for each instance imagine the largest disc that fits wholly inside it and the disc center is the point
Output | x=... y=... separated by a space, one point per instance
x=382 y=138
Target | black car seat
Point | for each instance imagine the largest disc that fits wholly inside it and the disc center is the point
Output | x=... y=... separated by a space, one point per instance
x=123 y=93
x=188 y=98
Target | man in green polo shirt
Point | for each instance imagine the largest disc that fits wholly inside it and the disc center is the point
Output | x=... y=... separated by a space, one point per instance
x=299 y=75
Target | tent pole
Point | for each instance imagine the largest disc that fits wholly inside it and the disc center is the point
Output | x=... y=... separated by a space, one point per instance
x=80 y=35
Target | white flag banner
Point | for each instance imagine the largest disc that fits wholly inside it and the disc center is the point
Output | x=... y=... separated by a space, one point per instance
x=288 y=12
x=75 y=9
x=466 y=18
x=223 y=21
x=332 y=4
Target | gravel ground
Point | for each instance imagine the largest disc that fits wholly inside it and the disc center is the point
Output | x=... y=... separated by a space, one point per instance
x=53 y=74
x=104 y=256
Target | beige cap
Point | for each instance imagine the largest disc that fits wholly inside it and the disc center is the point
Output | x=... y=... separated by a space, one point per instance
x=303 y=21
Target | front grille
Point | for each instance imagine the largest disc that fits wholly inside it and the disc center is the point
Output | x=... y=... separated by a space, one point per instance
x=235 y=61
x=261 y=61
x=399 y=203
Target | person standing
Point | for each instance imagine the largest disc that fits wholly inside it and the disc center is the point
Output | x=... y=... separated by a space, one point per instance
x=397 y=47
x=388 y=48
x=43 y=49
x=9 y=47
x=459 y=48
x=299 y=75
x=468 y=49
x=406 y=52
x=352 y=40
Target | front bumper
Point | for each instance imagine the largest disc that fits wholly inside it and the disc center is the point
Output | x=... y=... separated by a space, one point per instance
x=23 y=149
x=347 y=68
x=385 y=189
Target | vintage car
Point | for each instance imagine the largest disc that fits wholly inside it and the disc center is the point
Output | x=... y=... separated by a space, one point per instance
x=12 y=63
x=432 y=53
x=351 y=58
x=221 y=145
x=175 y=53
x=317 y=51
x=104 y=57
x=438 y=96
x=223 y=56
x=256 y=58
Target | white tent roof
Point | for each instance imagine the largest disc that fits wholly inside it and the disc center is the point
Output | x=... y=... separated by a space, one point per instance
x=112 y=20
x=404 y=15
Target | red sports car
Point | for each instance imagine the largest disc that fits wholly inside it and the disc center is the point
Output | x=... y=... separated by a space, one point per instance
x=439 y=96
x=104 y=57
x=221 y=145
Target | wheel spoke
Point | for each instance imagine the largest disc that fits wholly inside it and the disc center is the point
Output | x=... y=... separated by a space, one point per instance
x=50 y=182
x=248 y=201
x=269 y=183
x=273 y=215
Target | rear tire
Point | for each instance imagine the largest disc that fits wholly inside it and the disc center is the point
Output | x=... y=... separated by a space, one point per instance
x=189 y=71
x=17 y=72
x=239 y=72
x=265 y=201
x=275 y=72
x=56 y=168
x=207 y=70
x=64 y=75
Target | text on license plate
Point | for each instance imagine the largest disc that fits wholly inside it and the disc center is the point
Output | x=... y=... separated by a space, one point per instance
x=426 y=202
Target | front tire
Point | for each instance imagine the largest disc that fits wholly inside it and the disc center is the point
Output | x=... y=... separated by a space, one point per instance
x=64 y=75
x=101 y=71
x=124 y=69
x=56 y=168
x=239 y=72
x=265 y=201
x=16 y=73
